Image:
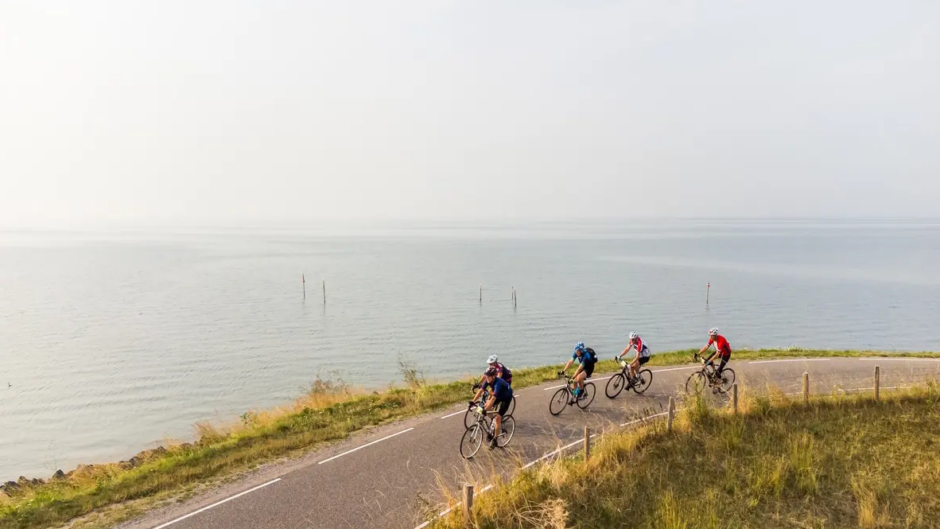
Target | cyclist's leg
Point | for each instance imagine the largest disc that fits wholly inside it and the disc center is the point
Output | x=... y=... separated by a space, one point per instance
x=586 y=374
x=634 y=367
x=722 y=364
x=501 y=408
x=642 y=360
x=579 y=380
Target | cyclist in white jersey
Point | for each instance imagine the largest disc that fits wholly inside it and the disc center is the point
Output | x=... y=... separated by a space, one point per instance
x=642 y=353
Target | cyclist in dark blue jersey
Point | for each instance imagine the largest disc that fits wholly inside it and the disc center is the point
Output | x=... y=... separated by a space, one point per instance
x=500 y=399
x=586 y=357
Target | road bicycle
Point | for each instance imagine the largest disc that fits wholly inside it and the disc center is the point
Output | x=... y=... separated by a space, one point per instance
x=468 y=418
x=482 y=429
x=638 y=383
x=564 y=397
x=709 y=377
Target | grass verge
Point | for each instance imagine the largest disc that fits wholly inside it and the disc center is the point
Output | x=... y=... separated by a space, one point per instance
x=842 y=461
x=328 y=412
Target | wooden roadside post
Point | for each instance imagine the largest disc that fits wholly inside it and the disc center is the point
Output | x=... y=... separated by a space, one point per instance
x=587 y=443
x=805 y=388
x=877 y=382
x=672 y=412
x=734 y=397
x=468 y=504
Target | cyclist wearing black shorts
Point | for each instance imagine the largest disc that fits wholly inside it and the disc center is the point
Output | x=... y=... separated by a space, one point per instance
x=500 y=399
x=587 y=358
x=642 y=353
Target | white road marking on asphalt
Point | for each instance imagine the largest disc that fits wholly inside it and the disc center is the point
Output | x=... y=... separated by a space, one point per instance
x=790 y=360
x=486 y=488
x=216 y=504
x=365 y=445
x=422 y=526
x=879 y=358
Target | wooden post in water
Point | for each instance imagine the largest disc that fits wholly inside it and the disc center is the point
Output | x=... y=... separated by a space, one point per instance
x=877 y=382
x=304 y=279
x=481 y=293
x=324 y=291
x=514 y=297
x=708 y=291
x=672 y=412
x=734 y=397
x=587 y=443
x=805 y=388
x=468 y=504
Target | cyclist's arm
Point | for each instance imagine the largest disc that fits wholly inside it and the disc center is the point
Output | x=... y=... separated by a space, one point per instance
x=476 y=398
x=489 y=402
x=702 y=352
x=567 y=366
x=625 y=351
x=578 y=370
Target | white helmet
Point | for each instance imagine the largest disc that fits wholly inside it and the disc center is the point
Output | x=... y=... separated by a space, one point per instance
x=634 y=336
x=492 y=359
x=713 y=331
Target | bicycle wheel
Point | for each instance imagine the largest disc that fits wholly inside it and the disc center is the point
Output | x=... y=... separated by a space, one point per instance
x=512 y=406
x=559 y=401
x=469 y=418
x=696 y=383
x=589 y=390
x=727 y=380
x=643 y=380
x=471 y=441
x=615 y=385
x=507 y=428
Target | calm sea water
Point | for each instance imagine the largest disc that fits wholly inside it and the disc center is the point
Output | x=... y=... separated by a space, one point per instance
x=113 y=341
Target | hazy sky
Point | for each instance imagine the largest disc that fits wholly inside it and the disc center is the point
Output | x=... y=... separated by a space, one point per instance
x=189 y=111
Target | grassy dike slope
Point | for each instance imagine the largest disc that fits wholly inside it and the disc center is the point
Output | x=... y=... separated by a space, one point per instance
x=840 y=462
x=329 y=412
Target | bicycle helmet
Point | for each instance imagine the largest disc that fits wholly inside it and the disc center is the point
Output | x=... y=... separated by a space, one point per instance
x=492 y=359
x=579 y=347
x=713 y=331
x=491 y=372
x=634 y=336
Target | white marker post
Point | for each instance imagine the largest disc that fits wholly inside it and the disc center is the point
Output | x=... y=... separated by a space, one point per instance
x=708 y=289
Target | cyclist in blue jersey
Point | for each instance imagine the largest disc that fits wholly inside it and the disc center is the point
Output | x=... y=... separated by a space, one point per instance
x=642 y=353
x=500 y=399
x=586 y=357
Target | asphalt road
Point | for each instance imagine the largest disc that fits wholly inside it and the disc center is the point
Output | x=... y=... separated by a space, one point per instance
x=394 y=476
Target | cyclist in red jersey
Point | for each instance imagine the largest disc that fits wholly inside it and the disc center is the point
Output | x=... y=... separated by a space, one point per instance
x=722 y=349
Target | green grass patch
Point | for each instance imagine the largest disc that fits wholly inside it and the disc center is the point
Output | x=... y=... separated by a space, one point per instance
x=328 y=413
x=842 y=461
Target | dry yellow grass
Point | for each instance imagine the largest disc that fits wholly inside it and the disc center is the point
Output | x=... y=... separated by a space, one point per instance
x=843 y=461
